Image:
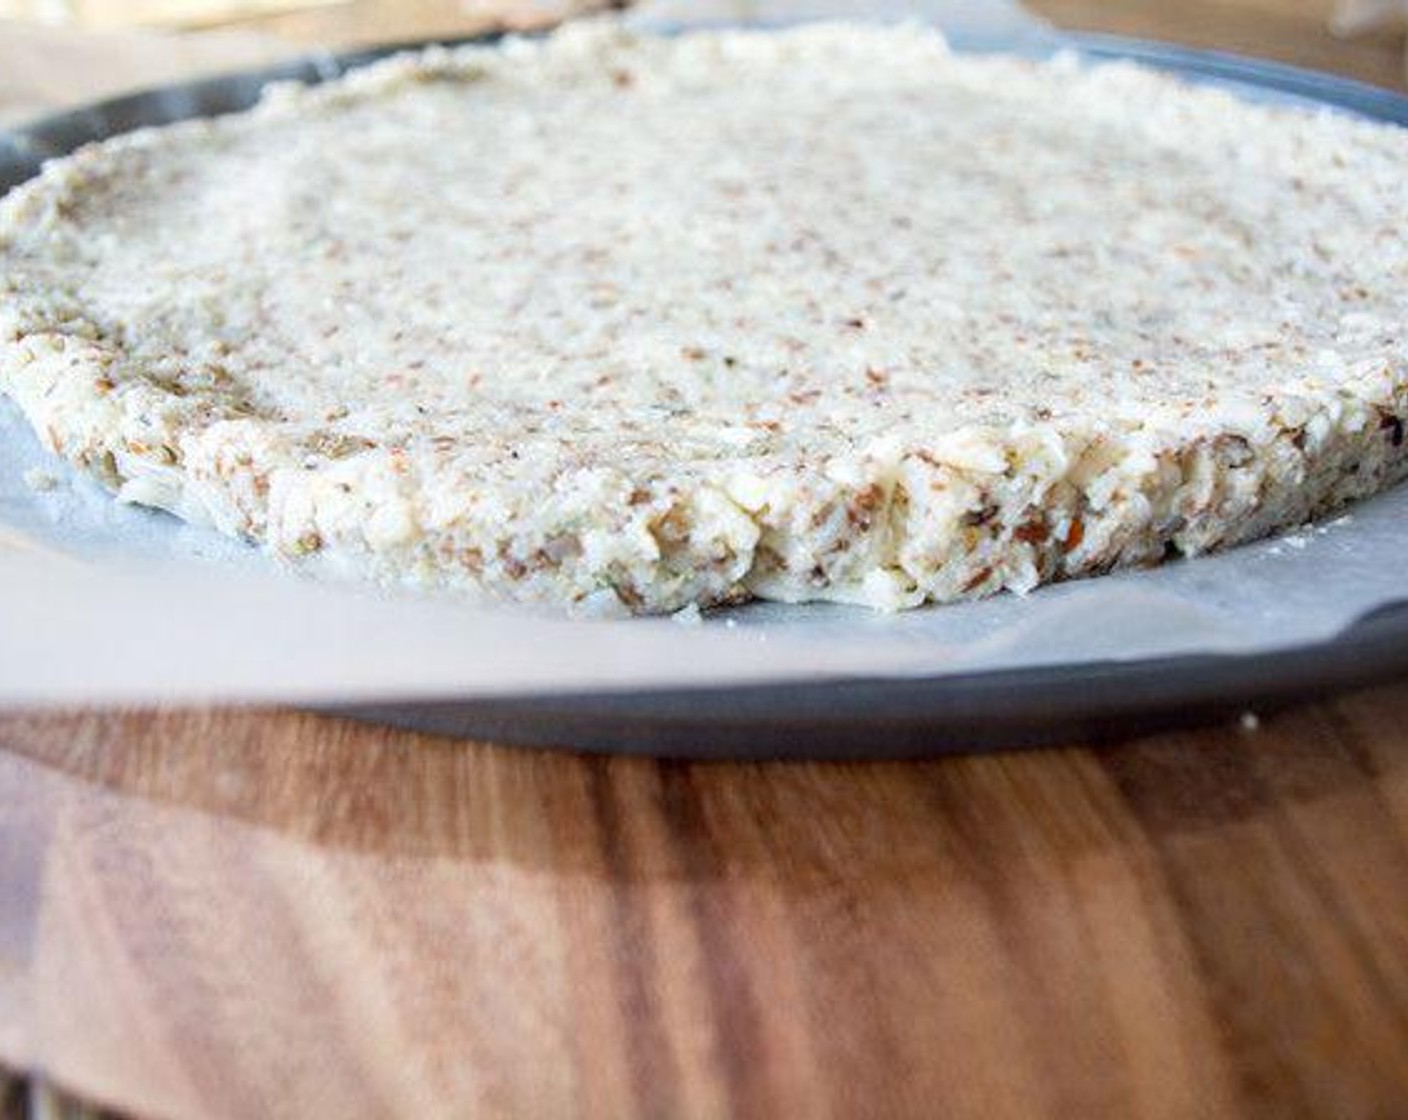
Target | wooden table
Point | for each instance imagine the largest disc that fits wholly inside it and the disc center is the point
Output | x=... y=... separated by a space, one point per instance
x=247 y=914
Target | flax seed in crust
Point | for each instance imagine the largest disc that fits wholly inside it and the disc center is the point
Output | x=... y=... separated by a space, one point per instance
x=827 y=313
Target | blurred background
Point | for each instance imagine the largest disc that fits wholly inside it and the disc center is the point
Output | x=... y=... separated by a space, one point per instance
x=58 y=52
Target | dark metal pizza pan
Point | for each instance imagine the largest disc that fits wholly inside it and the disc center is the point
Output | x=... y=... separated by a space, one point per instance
x=915 y=718
x=856 y=718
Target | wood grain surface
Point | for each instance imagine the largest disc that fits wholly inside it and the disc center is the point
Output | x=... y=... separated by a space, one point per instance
x=272 y=914
x=226 y=914
x=1292 y=31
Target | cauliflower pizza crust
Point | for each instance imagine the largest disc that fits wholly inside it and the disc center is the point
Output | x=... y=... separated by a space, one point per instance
x=827 y=313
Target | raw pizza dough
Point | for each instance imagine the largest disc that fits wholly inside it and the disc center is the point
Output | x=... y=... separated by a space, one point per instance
x=820 y=314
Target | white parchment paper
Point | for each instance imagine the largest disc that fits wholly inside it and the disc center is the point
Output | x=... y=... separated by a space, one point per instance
x=108 y=603
x=102 y=602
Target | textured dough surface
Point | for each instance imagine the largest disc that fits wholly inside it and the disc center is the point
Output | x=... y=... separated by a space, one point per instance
x=823 y=313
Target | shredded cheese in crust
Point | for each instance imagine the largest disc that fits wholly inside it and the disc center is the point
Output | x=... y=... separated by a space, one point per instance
x=827 y=313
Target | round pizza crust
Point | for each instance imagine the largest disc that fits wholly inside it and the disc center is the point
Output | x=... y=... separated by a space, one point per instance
x=609 y=319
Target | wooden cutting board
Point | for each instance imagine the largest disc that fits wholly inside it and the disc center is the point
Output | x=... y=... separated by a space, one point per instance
x=244 y=914
x=277 y=915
